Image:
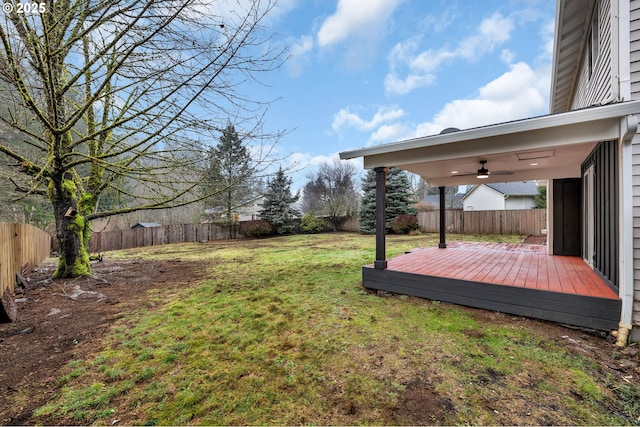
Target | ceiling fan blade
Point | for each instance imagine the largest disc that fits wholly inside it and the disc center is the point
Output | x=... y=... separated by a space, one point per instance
x=476 y=173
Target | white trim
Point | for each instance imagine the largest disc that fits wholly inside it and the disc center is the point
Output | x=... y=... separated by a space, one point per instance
x=588 y=215
x=576 y=117
x=622 y=50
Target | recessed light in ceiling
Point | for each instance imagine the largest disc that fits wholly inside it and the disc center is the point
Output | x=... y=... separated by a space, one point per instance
x=534 y=155
x=534 y=164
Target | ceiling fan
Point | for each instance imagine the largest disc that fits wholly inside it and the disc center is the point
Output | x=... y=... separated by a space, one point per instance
x=483 y=172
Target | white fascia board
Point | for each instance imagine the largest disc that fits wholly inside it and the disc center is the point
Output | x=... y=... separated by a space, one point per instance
x=541 y=123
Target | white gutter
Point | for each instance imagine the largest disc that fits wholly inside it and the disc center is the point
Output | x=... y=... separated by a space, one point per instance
x=585 y=115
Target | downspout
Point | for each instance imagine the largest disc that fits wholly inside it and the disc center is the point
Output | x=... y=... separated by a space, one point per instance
x=621 y=89
x=628 y=128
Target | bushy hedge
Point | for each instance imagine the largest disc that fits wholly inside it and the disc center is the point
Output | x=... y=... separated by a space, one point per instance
x=405 y=223
x=257 y=228
x=311 y=224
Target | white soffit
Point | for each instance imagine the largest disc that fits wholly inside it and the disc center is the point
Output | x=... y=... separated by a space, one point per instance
x=569 y=137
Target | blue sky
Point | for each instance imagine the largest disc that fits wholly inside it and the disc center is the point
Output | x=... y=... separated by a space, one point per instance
x=362 y=73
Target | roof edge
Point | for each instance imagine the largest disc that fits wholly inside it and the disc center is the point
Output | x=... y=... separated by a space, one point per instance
x=588 y=114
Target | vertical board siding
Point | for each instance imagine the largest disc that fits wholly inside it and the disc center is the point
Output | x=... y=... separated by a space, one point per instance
x=21 y=246
x=606 y=206
x=597 y=87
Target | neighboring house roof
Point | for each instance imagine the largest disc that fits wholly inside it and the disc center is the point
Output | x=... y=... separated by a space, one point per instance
x=517 y=188
x=434 y=200
x=146 y=225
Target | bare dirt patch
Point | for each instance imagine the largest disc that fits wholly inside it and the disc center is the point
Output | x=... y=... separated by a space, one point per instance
x=59 y=321
x=62 y=320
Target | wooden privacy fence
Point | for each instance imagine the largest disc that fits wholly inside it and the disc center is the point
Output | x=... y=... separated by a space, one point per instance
x=176 y=233
x=529 y=221
x=21 y=246
x=471 y=222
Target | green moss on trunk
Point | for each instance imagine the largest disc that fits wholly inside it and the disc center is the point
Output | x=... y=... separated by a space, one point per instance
x=73 y=230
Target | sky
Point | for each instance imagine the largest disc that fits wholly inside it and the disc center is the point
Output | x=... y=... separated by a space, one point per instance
x=367 y=72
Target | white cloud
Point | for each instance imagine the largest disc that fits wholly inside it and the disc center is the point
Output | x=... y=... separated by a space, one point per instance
x=390 y=132
x=421 y=67
x=352 y=17
x=298 y=51
x=438 y=23
x=507 y=56
x=547 y=32
x=347 y=118
x=516 y=94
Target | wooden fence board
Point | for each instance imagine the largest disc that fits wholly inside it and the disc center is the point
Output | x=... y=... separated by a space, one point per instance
x=21 y=245
x=530 y=221
x=457 y=221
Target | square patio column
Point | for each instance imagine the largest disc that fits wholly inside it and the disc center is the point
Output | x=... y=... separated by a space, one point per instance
x=381 y=206
x=443 y=225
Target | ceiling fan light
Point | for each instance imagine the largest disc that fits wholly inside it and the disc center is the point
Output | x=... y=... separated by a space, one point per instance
x=482 y=175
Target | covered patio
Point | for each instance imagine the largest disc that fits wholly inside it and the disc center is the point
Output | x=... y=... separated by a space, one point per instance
x=541 y=282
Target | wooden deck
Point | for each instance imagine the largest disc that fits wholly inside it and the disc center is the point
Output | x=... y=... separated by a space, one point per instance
x=511 y=278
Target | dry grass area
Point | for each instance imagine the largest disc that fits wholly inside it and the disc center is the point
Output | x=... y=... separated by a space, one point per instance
x=280 y=331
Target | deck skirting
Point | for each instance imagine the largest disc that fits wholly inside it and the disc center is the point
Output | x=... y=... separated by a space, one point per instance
x=578 y=310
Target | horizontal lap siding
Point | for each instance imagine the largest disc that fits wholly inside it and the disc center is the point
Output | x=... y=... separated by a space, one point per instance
x=596 y=88
x=635 y=94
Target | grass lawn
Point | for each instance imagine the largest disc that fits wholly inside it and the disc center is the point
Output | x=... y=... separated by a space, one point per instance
x=280 y=331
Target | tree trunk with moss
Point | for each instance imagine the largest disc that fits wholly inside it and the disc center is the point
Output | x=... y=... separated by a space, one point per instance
x=72 y=230
x=107 y=99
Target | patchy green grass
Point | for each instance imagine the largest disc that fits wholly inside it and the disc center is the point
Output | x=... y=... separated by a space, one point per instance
x=281 y=332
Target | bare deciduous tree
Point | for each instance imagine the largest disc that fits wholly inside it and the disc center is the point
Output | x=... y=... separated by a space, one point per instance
x=107 y=93
x=331 y=192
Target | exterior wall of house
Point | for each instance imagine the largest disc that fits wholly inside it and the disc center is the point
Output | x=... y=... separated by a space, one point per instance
x=594 y=83
x=483 y=198
x=634 y=6
x=635 y=48
x=519 y=202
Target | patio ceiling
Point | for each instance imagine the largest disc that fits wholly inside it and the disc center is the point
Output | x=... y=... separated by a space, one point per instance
x=545 y=147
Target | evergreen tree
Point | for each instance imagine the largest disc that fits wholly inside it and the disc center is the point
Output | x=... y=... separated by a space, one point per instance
x=400 y=199
x=229 y=176
x=540 y=199
x=276 y=207
x=367 y=212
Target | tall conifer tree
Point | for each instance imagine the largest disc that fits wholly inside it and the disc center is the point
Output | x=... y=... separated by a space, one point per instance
x=400 y=199
x=229 y=176
x=277 y=205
